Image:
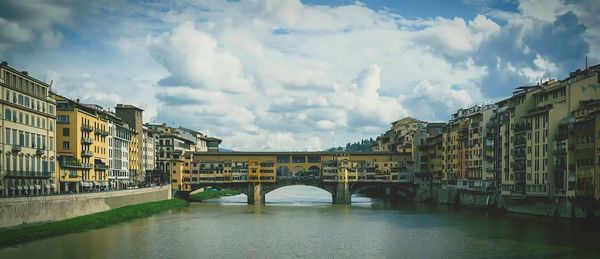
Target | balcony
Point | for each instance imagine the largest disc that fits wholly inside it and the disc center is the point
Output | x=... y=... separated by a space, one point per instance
x=520 y=127
x=87 y=153
x=519 y=168
x=87 y=128
x=16 y=149
x=519 y=154
x=87 y=141
x=100 y=166
x=520 y=141
x=75 y=164
x=101 y=132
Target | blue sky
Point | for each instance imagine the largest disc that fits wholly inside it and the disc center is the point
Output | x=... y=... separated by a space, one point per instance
x=296 y=75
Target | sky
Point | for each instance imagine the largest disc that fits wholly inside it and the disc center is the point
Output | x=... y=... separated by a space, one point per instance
x=296 y=75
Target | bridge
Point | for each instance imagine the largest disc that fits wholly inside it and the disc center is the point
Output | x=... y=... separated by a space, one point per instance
x=258 y=173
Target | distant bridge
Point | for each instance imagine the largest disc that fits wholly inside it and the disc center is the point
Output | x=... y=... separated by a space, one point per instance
x=258 y=173
x=341 y=192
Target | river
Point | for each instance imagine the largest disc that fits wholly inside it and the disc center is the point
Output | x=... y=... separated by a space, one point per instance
x=300 y=222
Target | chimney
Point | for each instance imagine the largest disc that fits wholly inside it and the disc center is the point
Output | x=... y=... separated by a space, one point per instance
x=4 y=63
x=77 y=100
x=24 y=73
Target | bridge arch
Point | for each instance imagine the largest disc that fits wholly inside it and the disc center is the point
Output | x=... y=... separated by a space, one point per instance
x=271 y=188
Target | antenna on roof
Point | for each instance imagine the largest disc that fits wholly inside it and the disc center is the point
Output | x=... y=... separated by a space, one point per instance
x=586 y=65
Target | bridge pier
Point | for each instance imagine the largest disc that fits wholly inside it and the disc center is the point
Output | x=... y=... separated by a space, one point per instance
x=391 y=193
x=255 y=193
x=342 y=193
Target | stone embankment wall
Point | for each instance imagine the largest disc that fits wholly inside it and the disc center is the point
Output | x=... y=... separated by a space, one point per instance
x=554 y=207
x=28 y=210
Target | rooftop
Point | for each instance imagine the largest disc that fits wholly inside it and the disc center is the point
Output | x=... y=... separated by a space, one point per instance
x=128 y=106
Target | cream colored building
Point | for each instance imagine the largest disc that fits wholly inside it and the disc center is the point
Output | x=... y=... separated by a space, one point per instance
x=27 y=134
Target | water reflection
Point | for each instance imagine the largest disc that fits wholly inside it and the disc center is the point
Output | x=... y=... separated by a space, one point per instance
x=295 y=195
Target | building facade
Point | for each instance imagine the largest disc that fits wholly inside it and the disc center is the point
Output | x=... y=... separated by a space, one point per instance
x=27 y=135
x=82 y=145
x=150 y=140
x=119 y=139
x=133 y=116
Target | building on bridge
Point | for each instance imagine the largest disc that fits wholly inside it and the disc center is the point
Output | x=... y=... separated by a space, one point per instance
x=256 y=173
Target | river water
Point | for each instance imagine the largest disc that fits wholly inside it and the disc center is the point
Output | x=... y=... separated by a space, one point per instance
x=300 y=222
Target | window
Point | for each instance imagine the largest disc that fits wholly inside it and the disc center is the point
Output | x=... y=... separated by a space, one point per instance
x=66 y=145
x=7 y=138
x=62 y=119
x=7 y=114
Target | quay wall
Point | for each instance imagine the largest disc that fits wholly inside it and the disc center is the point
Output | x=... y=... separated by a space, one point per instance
x=17 y=211
x=541 y=206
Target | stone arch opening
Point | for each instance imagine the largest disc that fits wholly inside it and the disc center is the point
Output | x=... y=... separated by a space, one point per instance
x=314 y=171
x=298 y=194
x=283 y=171
x=298 y=170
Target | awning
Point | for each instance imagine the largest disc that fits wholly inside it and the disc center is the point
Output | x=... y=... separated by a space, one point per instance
x=97 y=183
x=47 y=186
x=19 y=187
x=12 y=188
x=572 y=178
x=31 y=187
x=38 y=187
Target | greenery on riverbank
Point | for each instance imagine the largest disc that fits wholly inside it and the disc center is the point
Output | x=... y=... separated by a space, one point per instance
x=98 y=220
x=212 y=194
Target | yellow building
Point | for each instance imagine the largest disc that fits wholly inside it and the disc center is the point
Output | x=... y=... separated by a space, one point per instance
x=82 y=143
x=27 y=135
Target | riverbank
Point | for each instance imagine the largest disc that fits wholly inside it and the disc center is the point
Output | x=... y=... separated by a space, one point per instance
x=212 y=194
x=93 y=221
x=559 y=207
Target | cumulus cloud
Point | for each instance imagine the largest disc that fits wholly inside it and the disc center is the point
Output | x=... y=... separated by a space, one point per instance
x=195 y=59
x=284 y=75
x=22 y=23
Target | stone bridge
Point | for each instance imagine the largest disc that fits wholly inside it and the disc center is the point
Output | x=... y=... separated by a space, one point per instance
x=258 y=173
x=341 y=191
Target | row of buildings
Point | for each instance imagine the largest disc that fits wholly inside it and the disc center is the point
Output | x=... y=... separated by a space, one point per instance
x=542 y=141
x=52 y=144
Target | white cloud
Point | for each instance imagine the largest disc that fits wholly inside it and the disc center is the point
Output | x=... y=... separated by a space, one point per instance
x=266 y=75
x=195 y=59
